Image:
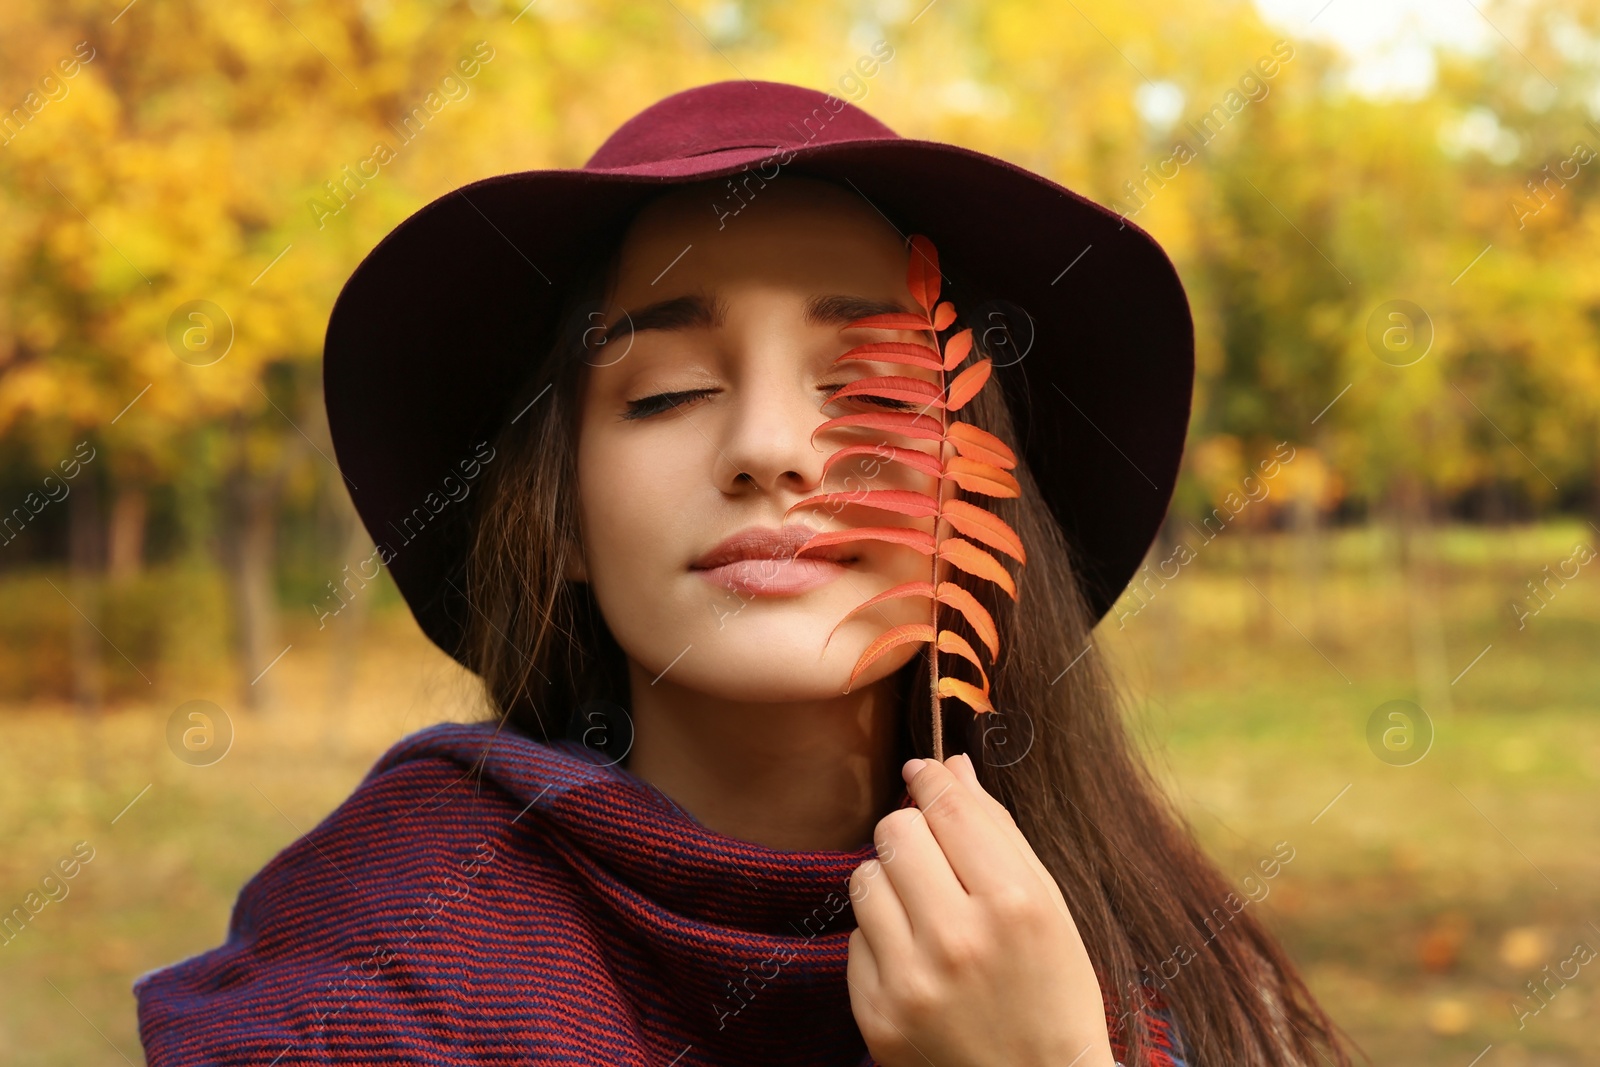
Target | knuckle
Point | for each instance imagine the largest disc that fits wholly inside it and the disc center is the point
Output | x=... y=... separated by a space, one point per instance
x=893 y=828
x=957 y=949
x=955 y=808
x=862 y=876
x=887 y=1043
x=917 y=996
x=897 y=822
x=1013 y=904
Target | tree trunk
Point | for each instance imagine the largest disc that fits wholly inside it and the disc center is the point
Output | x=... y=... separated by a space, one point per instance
x=83 y=567
x=348 y=626
x=1255 y=552
x=125 y=544
x=1168 y=628
x=249 y=553
x=1596 y=507
x=1306 y=519
x=87 y=646
x=1412 y=512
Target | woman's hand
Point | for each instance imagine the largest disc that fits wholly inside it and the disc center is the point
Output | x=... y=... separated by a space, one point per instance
x=965 y=954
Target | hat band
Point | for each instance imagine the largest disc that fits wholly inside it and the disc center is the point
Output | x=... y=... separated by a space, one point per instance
x=731 y=148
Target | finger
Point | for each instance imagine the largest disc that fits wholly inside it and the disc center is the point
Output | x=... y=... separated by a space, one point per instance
x=918 y=868
x=961 y=765
x=865 y=977
x=861 y=965
x=880 y=914
x=974 y=844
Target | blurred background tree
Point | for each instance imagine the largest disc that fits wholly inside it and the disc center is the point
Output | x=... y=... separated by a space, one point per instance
x=1389 y=248
x=181 y=160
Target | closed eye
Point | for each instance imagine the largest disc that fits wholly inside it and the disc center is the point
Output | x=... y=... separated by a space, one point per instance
x=879 y=401
x=647 y=406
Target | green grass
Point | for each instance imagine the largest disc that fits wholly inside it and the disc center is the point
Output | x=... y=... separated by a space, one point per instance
x=1418 y=904
x=1421 y=902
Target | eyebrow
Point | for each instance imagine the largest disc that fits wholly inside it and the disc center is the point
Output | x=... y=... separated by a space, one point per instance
x=697 y=311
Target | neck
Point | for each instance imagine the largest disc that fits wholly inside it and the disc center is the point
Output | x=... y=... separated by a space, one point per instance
x=795 y=776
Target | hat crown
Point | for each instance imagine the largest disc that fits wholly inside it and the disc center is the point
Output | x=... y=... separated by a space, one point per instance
x=730 y=115
x=420 y=365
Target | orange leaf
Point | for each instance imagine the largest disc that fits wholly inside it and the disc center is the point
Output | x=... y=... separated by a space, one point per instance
x=974 y=560
x=950 y=641
x=975 y=613
x=967 y=384
x=979 y=465
x=977 y=477
x=904 y=423
x=910 y=457
x=924 y=356
x=920 y=540
x=922 y=272
x=956 y=349
x=965 y=692
x=981 y=444
x=899 y=592
x=894 y=387
x=894 y=321
x=900 y=501
x=901 y=635
x=986 y=526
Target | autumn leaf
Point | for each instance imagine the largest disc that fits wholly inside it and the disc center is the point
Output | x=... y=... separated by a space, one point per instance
x=921 y=427
x=968 y=458
x=911 y=457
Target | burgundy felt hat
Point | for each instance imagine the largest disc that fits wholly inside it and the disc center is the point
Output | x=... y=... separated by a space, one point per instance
x=434 y=330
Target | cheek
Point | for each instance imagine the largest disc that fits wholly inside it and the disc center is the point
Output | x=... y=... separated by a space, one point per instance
x=634 y=509
x=622 y=500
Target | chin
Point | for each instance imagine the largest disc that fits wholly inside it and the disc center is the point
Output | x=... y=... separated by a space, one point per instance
x=768 y=664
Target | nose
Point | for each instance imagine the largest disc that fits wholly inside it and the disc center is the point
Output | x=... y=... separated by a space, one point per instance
x=765 y=440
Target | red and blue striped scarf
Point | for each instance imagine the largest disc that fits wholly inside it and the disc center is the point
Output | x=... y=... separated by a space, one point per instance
x=485 y=898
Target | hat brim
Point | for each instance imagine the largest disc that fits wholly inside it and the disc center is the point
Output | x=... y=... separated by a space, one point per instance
x=433 y=331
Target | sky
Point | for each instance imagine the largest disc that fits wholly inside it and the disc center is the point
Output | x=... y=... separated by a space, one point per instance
x=1391 y=43
x=1391 y=48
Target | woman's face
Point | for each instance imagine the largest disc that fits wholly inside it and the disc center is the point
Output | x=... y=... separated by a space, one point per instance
x=741 y=320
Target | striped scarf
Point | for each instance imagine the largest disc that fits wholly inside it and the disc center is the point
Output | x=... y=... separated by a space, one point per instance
x=485 y=898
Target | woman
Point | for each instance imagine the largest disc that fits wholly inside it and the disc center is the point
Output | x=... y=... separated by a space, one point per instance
x=679 y=769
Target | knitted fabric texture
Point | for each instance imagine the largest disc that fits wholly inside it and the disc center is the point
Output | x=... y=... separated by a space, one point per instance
x=485 y=898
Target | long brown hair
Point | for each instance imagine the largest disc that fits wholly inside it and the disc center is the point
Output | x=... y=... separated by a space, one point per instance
x=1153 y=911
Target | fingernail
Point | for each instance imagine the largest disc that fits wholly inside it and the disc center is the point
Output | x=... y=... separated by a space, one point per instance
x=912 y=766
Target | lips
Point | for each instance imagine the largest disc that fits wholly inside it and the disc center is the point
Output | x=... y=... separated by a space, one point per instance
x=761 y=559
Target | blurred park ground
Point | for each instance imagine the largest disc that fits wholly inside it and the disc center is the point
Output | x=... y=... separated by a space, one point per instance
x=1420 y=902
x=1386 y=217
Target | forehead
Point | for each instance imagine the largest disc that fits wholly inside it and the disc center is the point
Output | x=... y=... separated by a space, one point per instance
x=794 y=230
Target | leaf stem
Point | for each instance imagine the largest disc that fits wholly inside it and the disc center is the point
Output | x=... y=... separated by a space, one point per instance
x=933 y=650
